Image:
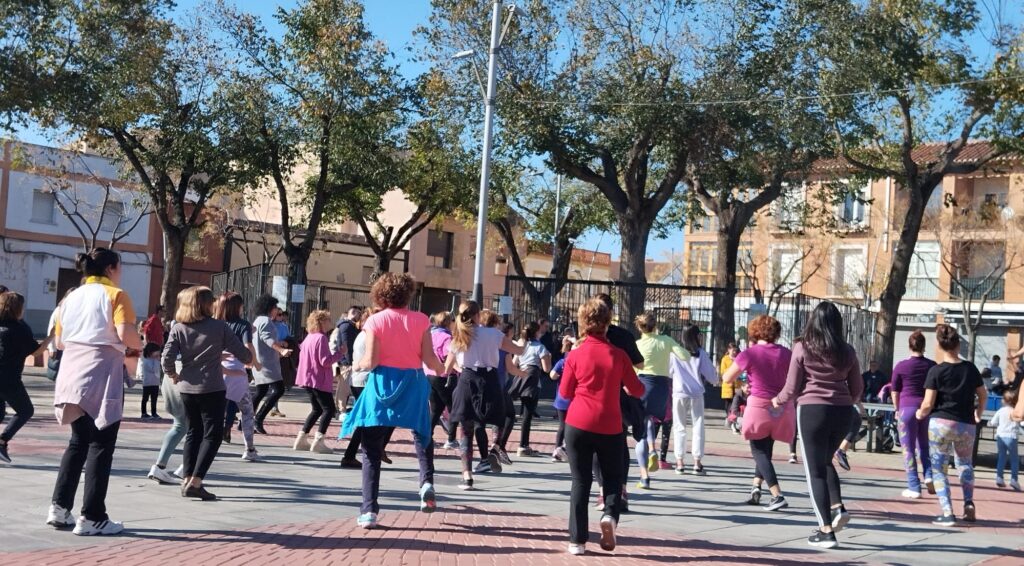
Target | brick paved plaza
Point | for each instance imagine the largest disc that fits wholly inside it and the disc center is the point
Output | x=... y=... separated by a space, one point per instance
x=300 y=508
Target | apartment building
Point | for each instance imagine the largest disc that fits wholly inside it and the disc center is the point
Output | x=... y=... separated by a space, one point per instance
x=842 y=250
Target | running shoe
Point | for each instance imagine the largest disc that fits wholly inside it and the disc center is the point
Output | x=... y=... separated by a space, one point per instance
x=250 y=456
x=493 y=462
x=1014 y=485
x=451 y=445
x=4 y=456
x=577 y=549
x=367 y=521
x=559 y=455
x=776 y=503
x=351 y=464
x=823 y=540
x=483 y=467
x=644 y=483
x=179 y=472
x=792 y=458
x=501 y=454
x=698 y=469
x=1000 y=483
x=608 y=524
x=525 y=451
x=680 y=469
x=466 y=484
x=87 y=528
x=755 y=496
x=156 y=417
x=161 y=476
x=944 y=521
x=842 y=460
x=59 y=517
x=259 y=429
x=929 y=485
x=428 y=498
x=840 y=518
x=664 y=465
x=911 y=494
x=652 y=463
x=970 y=512
x=735 y=427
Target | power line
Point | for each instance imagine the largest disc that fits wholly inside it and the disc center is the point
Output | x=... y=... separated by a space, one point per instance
x=776 y=99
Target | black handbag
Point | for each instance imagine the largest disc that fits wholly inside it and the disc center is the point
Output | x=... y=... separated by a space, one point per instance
x=53 y=365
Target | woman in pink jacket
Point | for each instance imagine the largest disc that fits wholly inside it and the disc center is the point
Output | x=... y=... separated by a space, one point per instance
x=316 y=376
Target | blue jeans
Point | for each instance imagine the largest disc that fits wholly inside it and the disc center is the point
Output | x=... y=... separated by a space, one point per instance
x=1007 y=449
x=171 y=441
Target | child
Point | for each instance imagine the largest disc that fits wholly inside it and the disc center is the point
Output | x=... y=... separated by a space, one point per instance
x=739 y=402
x=149 y=374
x=561 y=405
x=1006 y=440
x=315 y=375
x=16 y=344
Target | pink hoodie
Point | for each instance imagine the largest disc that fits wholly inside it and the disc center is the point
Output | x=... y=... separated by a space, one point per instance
x=315 y=360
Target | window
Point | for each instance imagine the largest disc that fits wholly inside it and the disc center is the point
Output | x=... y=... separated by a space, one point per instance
x=786 y=269
x=923 y=279
x=849 y=272
x=115 y=216
x=705 y=224
x=701 y=264
x=367 y=274
x=789 y=208
x=852 y=213
x=991 y=191
x=439 y=248
x=43 y=205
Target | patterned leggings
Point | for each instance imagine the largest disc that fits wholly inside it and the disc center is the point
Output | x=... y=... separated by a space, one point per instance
x=947 y=437
x=914 y=440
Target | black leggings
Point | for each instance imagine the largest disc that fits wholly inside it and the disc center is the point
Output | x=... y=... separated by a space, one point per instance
x=584 y=448
x=762 y=449
x=92 y=449
x=529 y=405
x=666 y=431
x=322 y=407
x=15 y=393
x=441 y=389
x=204 y=425
x=149 y=395
x=855 y=421
x=560 y=435
x=270 y=394
x=822 y=428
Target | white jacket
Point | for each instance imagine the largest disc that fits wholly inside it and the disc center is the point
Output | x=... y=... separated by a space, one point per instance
x=688 y=377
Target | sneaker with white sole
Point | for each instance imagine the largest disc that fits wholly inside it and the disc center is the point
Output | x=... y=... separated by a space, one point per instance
x=577 y=549
x=428 y=498
x=776 y=503
x=179 y=472
x=250 y=456
x=840 y=518
x=1014 y=485
x=451 y=445
x=608 y=524
x=161 y=476
x=823 y=540
x=755 y=496
x=59 y=517
x=944 y=521
x=87 y=528
x=367 y=521
x=911 y=494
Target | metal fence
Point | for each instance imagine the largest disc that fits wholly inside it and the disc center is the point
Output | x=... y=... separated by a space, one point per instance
x=677 y=306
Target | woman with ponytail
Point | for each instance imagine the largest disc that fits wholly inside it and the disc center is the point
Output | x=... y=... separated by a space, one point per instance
x=96 y=331
x=477 y=399
x=535 y=362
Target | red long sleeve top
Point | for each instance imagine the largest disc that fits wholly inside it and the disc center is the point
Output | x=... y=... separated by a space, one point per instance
x=594 y=374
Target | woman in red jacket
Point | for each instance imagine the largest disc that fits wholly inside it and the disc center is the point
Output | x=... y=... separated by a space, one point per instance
x=594 y=374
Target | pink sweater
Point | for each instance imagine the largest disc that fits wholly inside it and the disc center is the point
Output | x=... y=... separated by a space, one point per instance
x=315 y=360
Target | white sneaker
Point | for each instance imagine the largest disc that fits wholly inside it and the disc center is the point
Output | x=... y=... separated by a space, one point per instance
x=179 y=472
x=910 y=494
x=367 y=521
x=161 y=476
x=577 y=549
x=250 y=455
x=59 y=517
x=840 y=518
x=86 y=528
x=451 y=445
x=608 y=524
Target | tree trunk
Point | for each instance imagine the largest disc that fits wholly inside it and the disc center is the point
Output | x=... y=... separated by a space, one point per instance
x=896 y=286
x=723 y=319
x=297 y=257
x=381 y=265
x=634 y=232
x=174 y=261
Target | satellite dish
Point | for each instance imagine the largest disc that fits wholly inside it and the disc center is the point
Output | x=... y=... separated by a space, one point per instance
x=1008 y=213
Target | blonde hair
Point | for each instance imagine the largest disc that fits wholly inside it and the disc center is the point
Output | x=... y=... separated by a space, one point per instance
x=594 y=318
x=465 y=329
x=489 y=318
x=442 y=319
x=645 y=322
x=315 y=318
x=194 y=304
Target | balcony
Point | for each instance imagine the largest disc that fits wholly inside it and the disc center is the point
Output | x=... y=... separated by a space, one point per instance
x=977 y=287
x=922 y=288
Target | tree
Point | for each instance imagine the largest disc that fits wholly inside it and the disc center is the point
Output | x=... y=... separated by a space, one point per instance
x=906 y=96
x=127 y=80
x=599 y=88
x=316 y=104
x=93 y=206
x=980 y=246
x=785 y=270
x=523 y=213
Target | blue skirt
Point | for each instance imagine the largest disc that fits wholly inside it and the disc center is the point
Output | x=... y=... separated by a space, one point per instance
x=392 y=397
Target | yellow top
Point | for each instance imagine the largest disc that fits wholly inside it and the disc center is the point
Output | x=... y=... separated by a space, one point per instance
x=92 y=312
x=656 y=349
x=727 y=388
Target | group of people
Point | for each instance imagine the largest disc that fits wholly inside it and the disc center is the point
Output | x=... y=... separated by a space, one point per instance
x=404 y=370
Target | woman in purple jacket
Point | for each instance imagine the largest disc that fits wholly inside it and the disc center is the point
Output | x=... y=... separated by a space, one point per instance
x=907 y=394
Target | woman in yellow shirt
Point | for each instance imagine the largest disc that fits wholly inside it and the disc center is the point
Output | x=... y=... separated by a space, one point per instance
x=728 y=390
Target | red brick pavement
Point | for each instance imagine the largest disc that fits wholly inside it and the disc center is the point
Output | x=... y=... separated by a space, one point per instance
x=459 y=536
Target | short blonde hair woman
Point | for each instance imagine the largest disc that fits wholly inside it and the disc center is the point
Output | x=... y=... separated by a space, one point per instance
x=316 y=377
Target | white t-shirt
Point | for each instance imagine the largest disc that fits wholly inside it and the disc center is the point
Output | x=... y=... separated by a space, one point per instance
x=483 y=350
x=533 y=354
